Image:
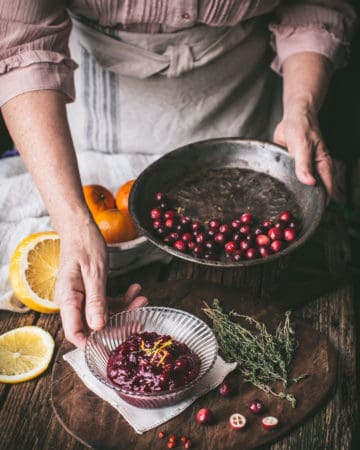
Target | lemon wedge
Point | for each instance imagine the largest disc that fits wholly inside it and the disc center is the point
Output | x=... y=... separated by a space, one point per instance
x=25 y=353
x=33 y=268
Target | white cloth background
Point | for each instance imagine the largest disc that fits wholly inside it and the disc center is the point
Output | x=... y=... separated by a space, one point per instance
x=23 y=212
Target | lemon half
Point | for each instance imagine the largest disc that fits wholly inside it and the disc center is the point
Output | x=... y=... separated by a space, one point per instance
x=25 y=353
x=33 y=270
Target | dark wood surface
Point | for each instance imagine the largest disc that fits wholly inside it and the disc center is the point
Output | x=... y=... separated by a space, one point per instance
x=108 y=430
x=314 y=280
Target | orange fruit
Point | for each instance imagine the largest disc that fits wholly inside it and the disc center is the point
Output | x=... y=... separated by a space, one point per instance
x=115 y=226
x=122 y=195
x=98 y=198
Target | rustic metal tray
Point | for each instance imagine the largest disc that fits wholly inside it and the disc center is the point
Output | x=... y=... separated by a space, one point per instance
x=223 y=178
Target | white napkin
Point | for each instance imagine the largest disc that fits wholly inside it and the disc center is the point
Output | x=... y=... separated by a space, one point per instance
x=145 y=419
x=23 y=212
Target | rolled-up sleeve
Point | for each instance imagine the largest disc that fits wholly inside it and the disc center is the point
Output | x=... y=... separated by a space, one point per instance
x=34 y=50
x=321 y=26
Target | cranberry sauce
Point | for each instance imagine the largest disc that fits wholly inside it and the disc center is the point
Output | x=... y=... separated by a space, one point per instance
x=149 y=362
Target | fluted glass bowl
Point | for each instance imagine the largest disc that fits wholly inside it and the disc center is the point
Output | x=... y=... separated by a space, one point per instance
x=180 y=325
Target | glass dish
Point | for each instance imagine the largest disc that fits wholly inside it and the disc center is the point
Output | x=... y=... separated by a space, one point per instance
x=179 y=324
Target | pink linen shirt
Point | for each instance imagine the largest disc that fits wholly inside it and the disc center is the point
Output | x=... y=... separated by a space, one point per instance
x=34 y=52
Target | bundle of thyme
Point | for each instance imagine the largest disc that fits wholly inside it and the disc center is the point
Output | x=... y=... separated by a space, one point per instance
x=262 y=357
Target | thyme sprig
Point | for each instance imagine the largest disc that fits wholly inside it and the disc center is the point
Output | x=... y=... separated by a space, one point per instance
x=262 y=357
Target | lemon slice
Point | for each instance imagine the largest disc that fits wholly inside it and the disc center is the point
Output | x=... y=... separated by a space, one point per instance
x=25 y=353
x=33 y=269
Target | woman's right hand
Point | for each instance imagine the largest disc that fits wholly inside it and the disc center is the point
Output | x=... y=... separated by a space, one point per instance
x=81 y=283
x=80 y=290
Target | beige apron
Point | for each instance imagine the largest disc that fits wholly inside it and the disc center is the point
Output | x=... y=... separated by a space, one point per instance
x=151 y=93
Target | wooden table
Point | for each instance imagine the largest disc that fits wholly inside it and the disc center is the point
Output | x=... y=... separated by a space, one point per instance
x=315 y=274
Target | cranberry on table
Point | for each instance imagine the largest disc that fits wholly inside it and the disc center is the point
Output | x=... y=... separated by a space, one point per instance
x=270 y=422
x=256 y=407
x=204 y=416
x=226 y=389
x=237 y=421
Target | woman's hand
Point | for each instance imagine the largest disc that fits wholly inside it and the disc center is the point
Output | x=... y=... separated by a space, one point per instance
x=81 y=285
x=299 y=132
x=306 y=77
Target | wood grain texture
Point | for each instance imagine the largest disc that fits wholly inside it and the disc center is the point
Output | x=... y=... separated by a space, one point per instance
x=317 y=273
x=72 y=401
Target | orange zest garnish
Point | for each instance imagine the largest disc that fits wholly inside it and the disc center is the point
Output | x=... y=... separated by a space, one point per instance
x=158 y=349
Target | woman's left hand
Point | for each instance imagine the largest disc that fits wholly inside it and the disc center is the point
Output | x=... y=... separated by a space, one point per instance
x=299 y=132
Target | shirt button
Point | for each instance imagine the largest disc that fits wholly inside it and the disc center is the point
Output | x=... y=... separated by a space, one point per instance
x=186 y=16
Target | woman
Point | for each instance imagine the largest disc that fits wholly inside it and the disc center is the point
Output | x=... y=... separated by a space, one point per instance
x=154 y=75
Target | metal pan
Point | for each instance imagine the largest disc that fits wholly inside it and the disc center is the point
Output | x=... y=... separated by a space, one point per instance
x=224 y=178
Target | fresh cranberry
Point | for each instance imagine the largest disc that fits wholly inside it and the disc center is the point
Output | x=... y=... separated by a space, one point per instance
x=175 y=236
x=292 y=224
x=157 y=224
x=236 y=224
x=220 y=238
x=264 y=251
x=200 y=238
x=196 y=226
x=256 y=407
x=289 y=234
x=226 y=389
x=276 y=246
x=160 y=196
x=267 y=224
x=224 y=228
x=156 y=213
x=230 y=247
x=262 y=240
x=185 y=220
x=186 y=237
x=251 y=253
x=275 y=234
x=246 y=218
x=180 y=246
x=204 y=416
x=245 y=229
x=198 y=250
x=237 y=256
x=169 y=223
x=244 y=245
x=285 y=216
x=191 y=245
x=170 y=214
x=214 y=224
